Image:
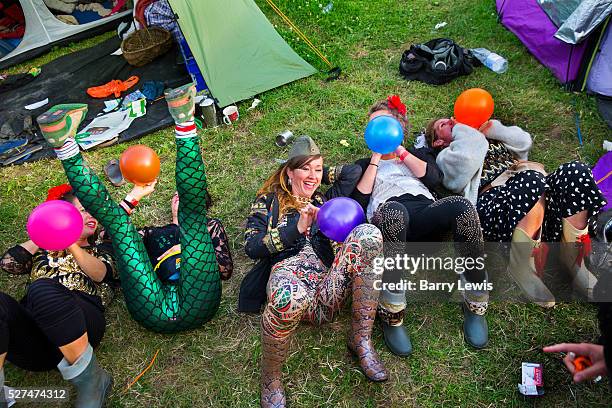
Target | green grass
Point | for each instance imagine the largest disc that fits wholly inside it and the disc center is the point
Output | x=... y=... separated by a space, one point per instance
x=217 y=365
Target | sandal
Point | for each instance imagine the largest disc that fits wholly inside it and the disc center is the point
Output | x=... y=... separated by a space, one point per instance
x=113 y=172
x=113 y=87
x=20 y=154
x=11 y=145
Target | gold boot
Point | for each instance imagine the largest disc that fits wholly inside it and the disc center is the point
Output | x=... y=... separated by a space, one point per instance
x=575 y=247
x=522 y=268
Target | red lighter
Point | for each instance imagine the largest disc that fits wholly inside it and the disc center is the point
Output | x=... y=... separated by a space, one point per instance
x=582 y=363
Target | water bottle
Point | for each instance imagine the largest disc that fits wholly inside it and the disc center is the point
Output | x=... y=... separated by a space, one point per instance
x=491 y=60
x=328 y=8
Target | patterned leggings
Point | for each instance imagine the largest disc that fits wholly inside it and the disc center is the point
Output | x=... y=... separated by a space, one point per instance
x=569 y=190
x=163 y=308
x=301 y=287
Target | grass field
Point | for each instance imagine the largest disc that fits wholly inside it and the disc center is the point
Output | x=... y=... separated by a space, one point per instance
x=218 y=365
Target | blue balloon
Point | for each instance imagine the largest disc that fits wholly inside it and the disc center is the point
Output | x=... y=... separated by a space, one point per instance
x=384 y=134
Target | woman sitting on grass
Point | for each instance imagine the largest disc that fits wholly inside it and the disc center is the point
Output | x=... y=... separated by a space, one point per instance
x=307 y=282
x=517 y=201
x=61 y=317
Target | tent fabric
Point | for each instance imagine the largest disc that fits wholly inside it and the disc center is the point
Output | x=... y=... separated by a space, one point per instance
x=604 y=105
x=238 y=51
x=42 y=29
x=601 y=174
x=531 y=25
x=66 y=79
x=581 y=23
x=559 y=10
x=600 y=76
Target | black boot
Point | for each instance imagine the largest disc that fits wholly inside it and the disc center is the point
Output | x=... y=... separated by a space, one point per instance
x=395 y=334
x=475 y=328
x=397 y=340
x=92 y=383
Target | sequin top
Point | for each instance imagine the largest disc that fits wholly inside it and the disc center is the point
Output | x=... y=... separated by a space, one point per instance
x=497 y=160
x=62 y=267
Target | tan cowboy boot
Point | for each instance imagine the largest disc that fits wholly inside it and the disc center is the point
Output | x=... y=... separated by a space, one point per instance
x=575 y=248
x=273 y=355
x=365 y=301
x=522 y=268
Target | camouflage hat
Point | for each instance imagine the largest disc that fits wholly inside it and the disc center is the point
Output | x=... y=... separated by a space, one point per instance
x=303 y=146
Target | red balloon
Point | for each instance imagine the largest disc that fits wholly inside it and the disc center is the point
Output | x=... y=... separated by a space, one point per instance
x=474 y=107
x=139 y=164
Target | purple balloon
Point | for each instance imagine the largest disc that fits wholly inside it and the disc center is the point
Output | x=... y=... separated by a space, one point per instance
x=338 y=217
x=55 y=225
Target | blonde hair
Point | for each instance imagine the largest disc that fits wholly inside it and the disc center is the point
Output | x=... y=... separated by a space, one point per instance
x=278 y=183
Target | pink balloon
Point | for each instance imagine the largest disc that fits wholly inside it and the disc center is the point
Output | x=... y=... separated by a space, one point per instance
x=55 y=225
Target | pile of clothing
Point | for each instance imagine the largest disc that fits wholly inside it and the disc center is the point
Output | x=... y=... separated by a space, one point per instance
x=12 y=26
x=149 y=13
x=84 y=11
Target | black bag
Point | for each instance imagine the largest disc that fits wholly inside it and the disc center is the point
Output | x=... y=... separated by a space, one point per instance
x=437 y=62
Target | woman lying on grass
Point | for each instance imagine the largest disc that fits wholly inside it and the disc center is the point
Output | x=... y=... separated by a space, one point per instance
x=518 y=201
x=164 y=307
x=396 y=191
x=163 y=243
x=61 y=317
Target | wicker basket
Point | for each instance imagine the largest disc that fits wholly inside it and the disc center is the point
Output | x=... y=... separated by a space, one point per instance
x=143 y=46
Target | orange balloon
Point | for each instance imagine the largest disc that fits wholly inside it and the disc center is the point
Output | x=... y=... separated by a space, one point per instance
x=139 y=164
x=474 y=107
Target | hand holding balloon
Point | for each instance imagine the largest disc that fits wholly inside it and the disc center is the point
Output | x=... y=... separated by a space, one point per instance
x=307 y=216
x=339 y=216
x=474 y=107
x=142 y=190
x=383 y=134
x=55 y=225
x=139 y=164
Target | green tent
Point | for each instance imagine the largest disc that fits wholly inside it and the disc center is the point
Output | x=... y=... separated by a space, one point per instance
x=238 y=51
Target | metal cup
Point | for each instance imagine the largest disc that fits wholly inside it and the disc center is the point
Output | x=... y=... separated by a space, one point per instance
x=209 y=112
x=284 y=138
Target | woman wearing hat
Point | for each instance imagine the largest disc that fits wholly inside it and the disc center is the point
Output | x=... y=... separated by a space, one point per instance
x=308 y=279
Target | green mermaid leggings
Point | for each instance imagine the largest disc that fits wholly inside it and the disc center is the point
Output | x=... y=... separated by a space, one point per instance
x=162 y=308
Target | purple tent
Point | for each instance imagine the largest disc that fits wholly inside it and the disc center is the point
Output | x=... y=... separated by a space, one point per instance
x=600 y=77
x=527 y=20
x=602 y=173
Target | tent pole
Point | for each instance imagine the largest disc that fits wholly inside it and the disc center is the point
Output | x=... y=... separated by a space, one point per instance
x=588 y=70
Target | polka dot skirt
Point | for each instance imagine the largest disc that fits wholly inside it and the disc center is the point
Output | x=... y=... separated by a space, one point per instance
x=569 y=190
